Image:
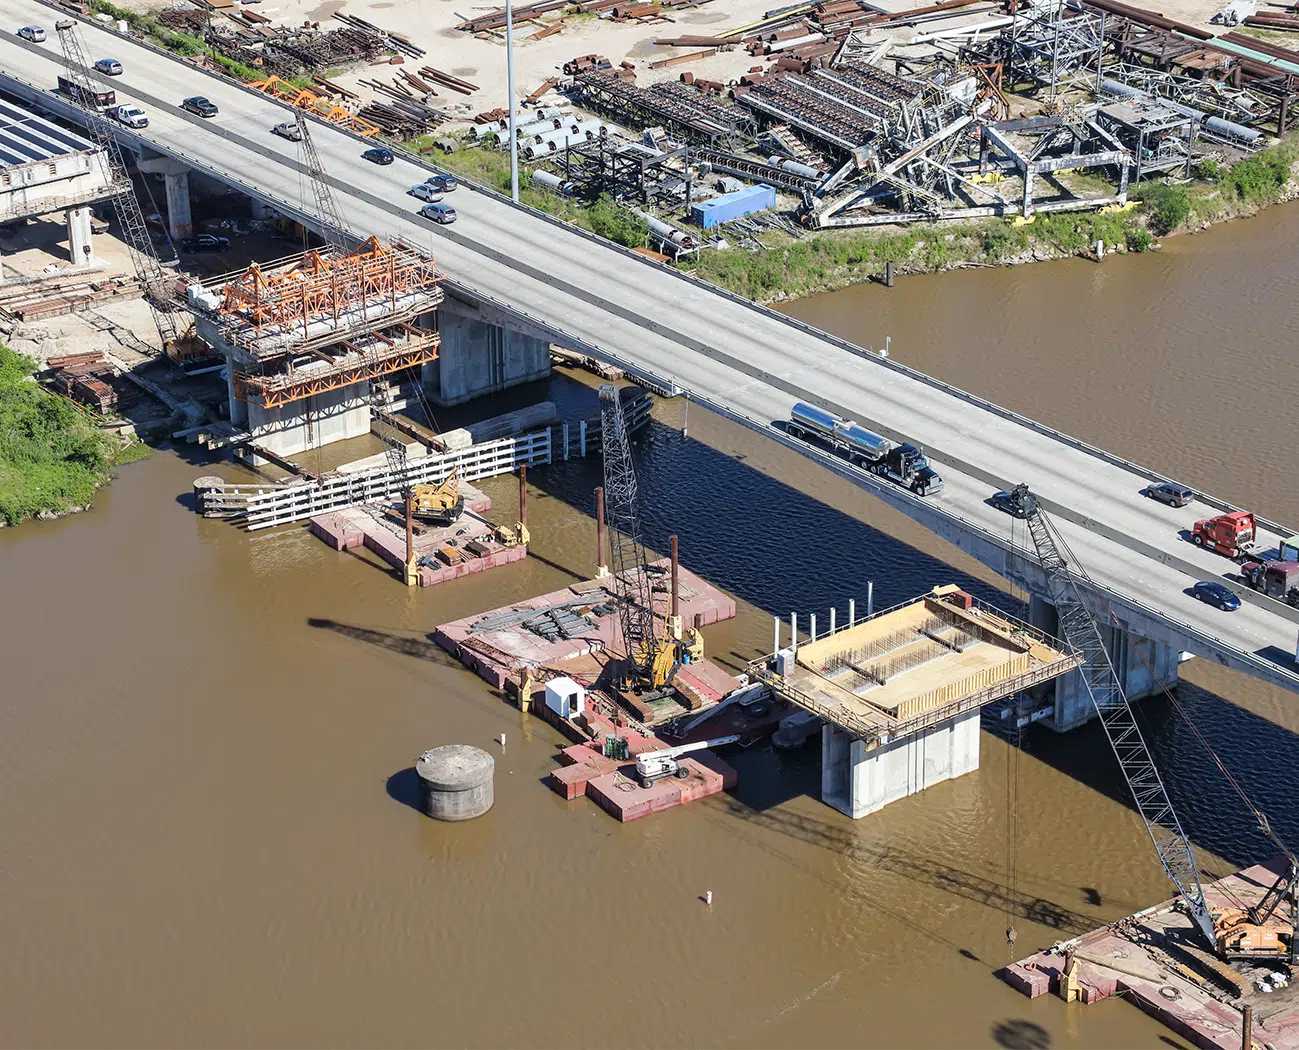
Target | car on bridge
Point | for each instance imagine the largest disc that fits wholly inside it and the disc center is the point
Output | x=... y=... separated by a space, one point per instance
x=130 y=115
x=199 y=106
x=288 y=129
x=33 y=33
x=1018 y=502
x=1216 y=594
x=442 y=213
x=378 y=155
x=110 y=67
x=205 y=242
x=425 y=192
x=1170 y=492
x=441 y=183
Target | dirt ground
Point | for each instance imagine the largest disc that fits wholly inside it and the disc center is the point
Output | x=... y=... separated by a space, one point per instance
x=430 y=24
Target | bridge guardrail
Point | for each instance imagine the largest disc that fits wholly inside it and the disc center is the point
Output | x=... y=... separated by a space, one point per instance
x=843 y=344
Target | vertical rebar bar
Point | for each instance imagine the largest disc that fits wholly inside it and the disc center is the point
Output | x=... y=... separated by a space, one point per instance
x=870 y=598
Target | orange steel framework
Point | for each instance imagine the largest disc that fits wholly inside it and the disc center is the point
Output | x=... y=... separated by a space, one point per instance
x=271 y=391
x=301 y=98
x=323 y=286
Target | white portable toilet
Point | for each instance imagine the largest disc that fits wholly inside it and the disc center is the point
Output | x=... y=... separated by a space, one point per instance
x=565 y=697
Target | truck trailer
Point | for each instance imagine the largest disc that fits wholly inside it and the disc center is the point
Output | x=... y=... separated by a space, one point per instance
x=904 y=465
x=1276 y=579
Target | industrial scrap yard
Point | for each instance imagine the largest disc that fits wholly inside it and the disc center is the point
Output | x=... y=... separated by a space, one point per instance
x=629 y=628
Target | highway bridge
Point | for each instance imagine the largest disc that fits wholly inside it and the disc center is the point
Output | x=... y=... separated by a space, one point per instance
x=746 y=362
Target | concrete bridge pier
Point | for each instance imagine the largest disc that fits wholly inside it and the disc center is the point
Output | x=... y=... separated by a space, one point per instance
x=79 y=246
x=857 y=781
x=180 y=223
x=1144 y=666
x=483 y=350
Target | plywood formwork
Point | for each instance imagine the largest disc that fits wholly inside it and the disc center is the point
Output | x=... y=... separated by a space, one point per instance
x=910 y=667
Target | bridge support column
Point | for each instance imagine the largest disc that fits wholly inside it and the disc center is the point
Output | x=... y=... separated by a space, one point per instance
x=1143 y=665
x=856 y=781
x=79 y=246
x=176 y=175
x=334 y=415
x=478 y=355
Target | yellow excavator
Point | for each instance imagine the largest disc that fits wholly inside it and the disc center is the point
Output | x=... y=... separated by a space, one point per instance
x=439 y=504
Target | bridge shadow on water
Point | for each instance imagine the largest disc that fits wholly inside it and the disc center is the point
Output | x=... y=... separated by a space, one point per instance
x=778 y=549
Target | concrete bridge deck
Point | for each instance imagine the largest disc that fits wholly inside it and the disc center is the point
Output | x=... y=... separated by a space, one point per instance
x=747 y=362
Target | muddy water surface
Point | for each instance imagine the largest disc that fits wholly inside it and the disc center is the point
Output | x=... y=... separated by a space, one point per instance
x=206 y=737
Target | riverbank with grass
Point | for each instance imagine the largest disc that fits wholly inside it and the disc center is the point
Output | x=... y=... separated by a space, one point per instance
x=53 y=454
x=827 y=260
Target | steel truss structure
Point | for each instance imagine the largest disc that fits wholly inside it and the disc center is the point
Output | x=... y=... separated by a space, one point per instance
x=324 y=298
x=687 y=112
x=310 y=102
x=399 y=347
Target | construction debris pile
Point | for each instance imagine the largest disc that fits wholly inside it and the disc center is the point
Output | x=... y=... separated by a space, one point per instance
x=248 y=37
x=40 y=297
x=89 y=379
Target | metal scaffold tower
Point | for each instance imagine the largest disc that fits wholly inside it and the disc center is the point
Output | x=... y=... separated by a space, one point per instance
x=1080 y=629
x=630 y=567
x=157 y=286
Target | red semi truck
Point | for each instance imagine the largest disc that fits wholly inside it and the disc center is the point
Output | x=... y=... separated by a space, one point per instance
x=1230 y=534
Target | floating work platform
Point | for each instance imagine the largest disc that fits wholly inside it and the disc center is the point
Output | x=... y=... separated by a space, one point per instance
x=444 y=552
x=575 y=630
x=612 y=783
x=1156 y=960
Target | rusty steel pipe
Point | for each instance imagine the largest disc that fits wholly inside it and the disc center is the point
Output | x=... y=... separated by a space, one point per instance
x=676 y=610
x=599 y=527
x=523 y=494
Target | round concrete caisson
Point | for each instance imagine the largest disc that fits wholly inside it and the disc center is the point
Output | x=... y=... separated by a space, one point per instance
x=455 y=782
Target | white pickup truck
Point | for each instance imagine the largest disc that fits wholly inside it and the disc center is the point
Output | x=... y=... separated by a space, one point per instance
x=130 y=114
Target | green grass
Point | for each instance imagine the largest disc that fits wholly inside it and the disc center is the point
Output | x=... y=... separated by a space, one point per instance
x=52 y=455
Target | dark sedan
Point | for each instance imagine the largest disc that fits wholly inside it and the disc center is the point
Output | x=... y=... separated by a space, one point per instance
x=1217 y=595
x=379 y=155
x=1018 y=502
x=199 y=106
x=206 y=242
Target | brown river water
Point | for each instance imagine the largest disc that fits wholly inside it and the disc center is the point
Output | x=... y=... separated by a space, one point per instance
x=206 y=736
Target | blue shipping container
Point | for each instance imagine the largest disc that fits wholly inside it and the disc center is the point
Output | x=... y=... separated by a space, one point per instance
x=732 y=205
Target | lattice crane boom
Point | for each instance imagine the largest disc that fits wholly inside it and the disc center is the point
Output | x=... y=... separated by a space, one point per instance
x=1080 y=629
x=631 y=578
x=153 y=278
x=328 y=212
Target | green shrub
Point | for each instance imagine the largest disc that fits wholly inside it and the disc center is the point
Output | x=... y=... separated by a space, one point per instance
x=1167 y=205
x=1259 y=178
x=51 y=453
x=1139 y=239
x=1209 y=170
x=616 y=224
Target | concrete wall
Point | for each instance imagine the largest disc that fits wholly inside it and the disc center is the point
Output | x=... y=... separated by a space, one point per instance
x=857 y=782
x=300 y=425
x=1144 y=666
x=478 y=357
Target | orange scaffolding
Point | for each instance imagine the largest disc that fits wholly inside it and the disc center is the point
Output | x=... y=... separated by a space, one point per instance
x=353 y=366
x=301 y=98
x=324 y=287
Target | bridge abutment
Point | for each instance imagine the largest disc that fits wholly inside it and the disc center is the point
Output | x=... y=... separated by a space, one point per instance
x=1144 y=666
x=857 y=781
x=482 y=352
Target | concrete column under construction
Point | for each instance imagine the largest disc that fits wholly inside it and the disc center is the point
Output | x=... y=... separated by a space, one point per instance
x=479 y=355
x=79 y=246
x=180 y=223
x=857 y=781
x=1143 y=665
x=334 y=415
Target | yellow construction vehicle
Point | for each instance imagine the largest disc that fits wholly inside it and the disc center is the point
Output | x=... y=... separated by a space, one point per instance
x=518 y=536
x=439 y=504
